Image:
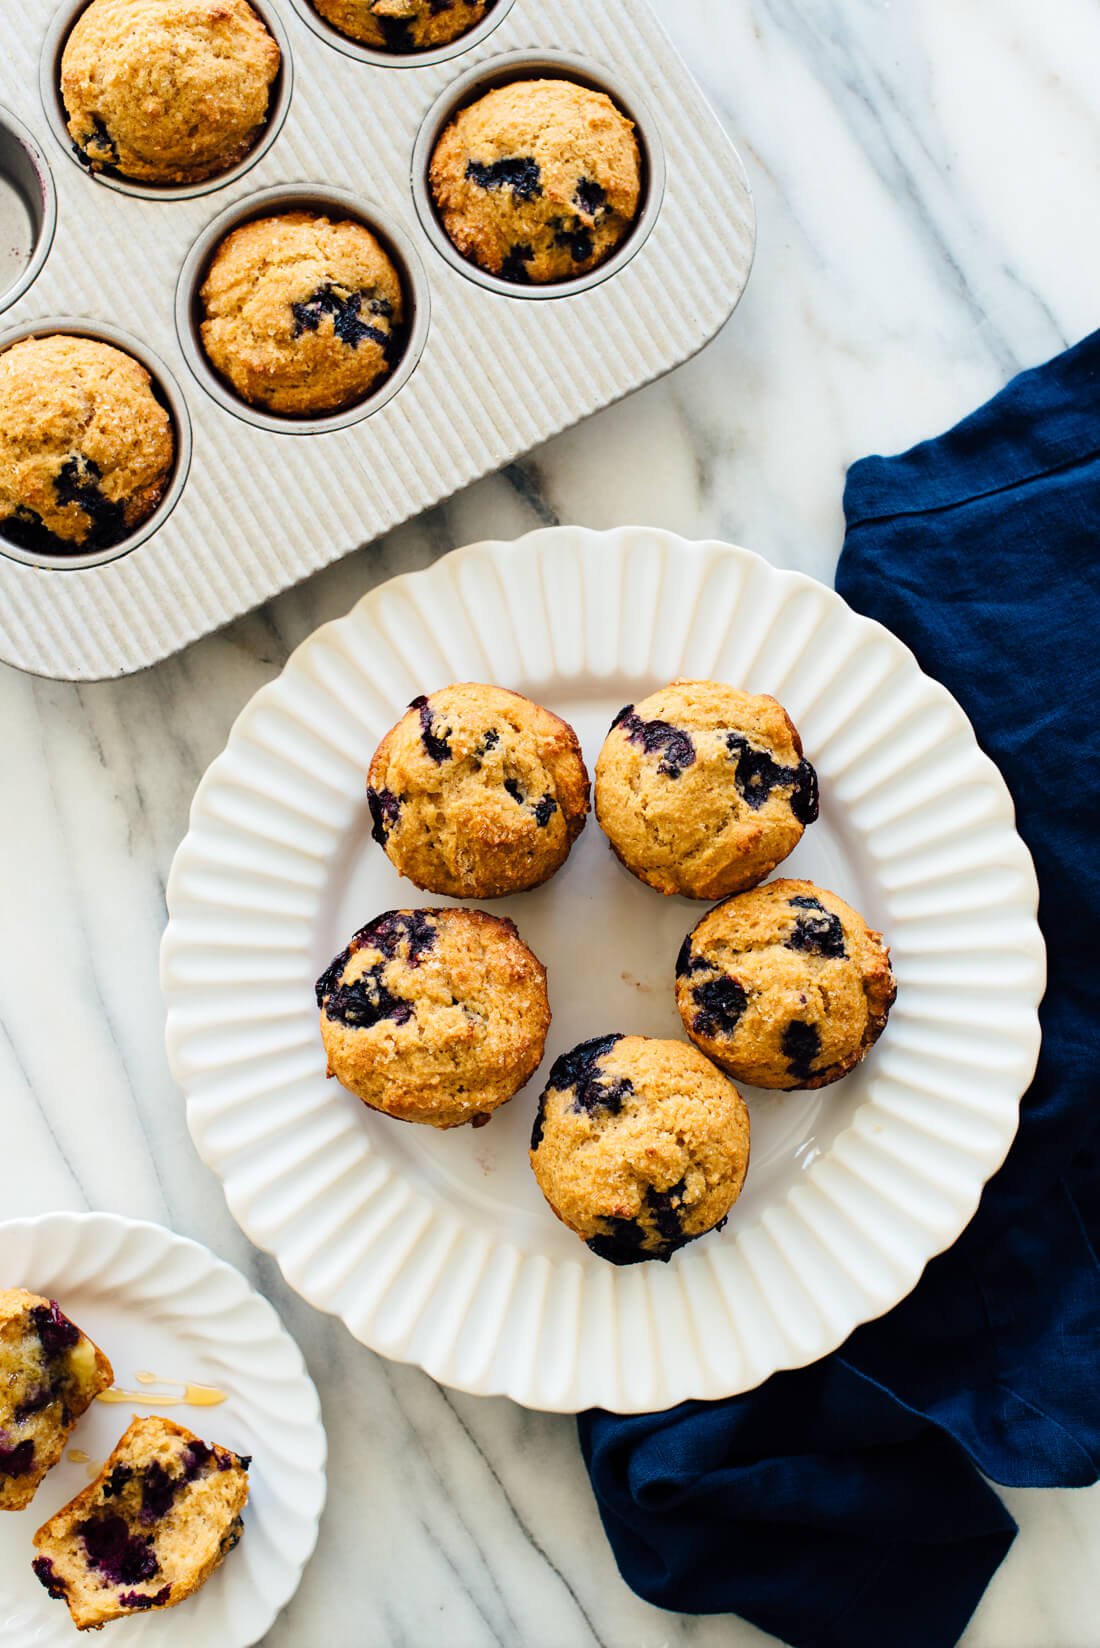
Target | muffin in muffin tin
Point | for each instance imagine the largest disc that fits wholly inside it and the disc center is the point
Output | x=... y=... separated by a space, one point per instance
x=702 y=789
x=86 y=447
x=538 y=181
x=302 y=314
x=167 y=91
x=784 y=986
x=403 y=25
x=435 y=1016
x=639 y=1146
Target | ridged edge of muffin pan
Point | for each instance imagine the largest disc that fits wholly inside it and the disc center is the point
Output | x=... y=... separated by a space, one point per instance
x=529 y=65
x=30 y=177
x=274 y=202
x=49 y=83
x=400 y=60
x=168 y=393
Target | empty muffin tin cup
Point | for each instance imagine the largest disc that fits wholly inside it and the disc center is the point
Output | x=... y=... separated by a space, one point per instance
x=543 y=65
x=385 y=59
x=167 y=392
x=308 y=197
x=49 y=83
x=28 y=209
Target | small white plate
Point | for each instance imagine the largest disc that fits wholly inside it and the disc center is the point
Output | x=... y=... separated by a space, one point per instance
x=437 y=1248
x=157 y=1303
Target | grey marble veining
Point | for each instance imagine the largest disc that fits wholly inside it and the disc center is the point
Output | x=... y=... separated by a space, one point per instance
x=924 y=174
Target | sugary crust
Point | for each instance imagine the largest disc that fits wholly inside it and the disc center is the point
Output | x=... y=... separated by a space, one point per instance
x=462 y=1023
x=785 y=960
x=683 y=817
x=454 y=826
x=190 y=1540
x=167 y=91
x=302 y=312
x=79 y=418
x=77 y=1373
x=403 y=25
x=648 y=1152
x=539 y=180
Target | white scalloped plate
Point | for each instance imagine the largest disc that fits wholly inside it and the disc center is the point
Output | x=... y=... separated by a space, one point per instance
x=159 y=1303
x=437 y=1248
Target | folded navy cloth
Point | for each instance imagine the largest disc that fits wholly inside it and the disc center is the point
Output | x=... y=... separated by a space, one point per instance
x=845 y=1505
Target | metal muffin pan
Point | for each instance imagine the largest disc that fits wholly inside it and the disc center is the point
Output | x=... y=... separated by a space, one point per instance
x=269 y=500
x=398 y=60
x=28 y=209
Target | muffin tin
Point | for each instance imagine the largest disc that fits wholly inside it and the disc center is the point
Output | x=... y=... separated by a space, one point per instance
x=259 y=501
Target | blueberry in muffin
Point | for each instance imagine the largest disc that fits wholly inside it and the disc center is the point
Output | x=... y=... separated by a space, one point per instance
x=49 y=1374
x=639 y=1146
x=702 y=790
x=149 y=1531
x=435 y=1016
x=403 y=25
x=302 y=314
x=86 y=448
x=538 y=181
x=784 y=986
x=167 y=91
x=478 y=792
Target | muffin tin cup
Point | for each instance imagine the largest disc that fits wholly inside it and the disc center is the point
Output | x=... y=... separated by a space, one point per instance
x=49 y=82
x=270 y=203
x=167 y=391
x=401 y=60
x=528 y=65
x=28 y=209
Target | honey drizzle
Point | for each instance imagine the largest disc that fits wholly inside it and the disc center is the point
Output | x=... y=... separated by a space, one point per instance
x=189 y=1395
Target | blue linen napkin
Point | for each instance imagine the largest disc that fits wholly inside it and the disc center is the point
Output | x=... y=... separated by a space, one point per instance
x=843 y=1505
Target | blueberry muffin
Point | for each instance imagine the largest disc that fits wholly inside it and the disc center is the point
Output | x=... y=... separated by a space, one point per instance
x=436 y=1016
x=49 y=1374
x=784 y=986
x=151 y=1528
x=639 y=1146
x=702 y=790
x=86 y=448
x=403 y=25
x=167 y=91
x=537 y=181
x=478 y=792
x=301 y=313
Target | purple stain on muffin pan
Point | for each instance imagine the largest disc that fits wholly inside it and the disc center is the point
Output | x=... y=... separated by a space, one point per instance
x=347 y=317
x=141 y=1599
x=520 y=173
x=16 y=1461
x=801 y=1044
x=676 y=746
x=437 y=744
x=55 y=1332
x=385 y=810
x=122 y=1558
x=44 y=1573
x=720 y=1004
x=819 y=933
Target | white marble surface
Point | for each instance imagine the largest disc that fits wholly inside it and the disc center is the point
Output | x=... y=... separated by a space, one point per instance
x=926 y=178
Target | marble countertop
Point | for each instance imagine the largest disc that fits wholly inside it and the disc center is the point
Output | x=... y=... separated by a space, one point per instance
x=923 y=173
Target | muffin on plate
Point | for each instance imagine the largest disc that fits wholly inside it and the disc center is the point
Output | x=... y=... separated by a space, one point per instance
x=403 y=25
x=167 y=91
x=478 y=792
x=302 y=313
x=702 y=790
x=151 y=1528
x=639 y=1146
x=436 y=1016
x=49 y=1374
x=785 y=986
x=538 y=180
x=86 y=448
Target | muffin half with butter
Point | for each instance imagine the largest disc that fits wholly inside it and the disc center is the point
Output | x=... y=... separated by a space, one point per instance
x=167 y=91
x=301 y=313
